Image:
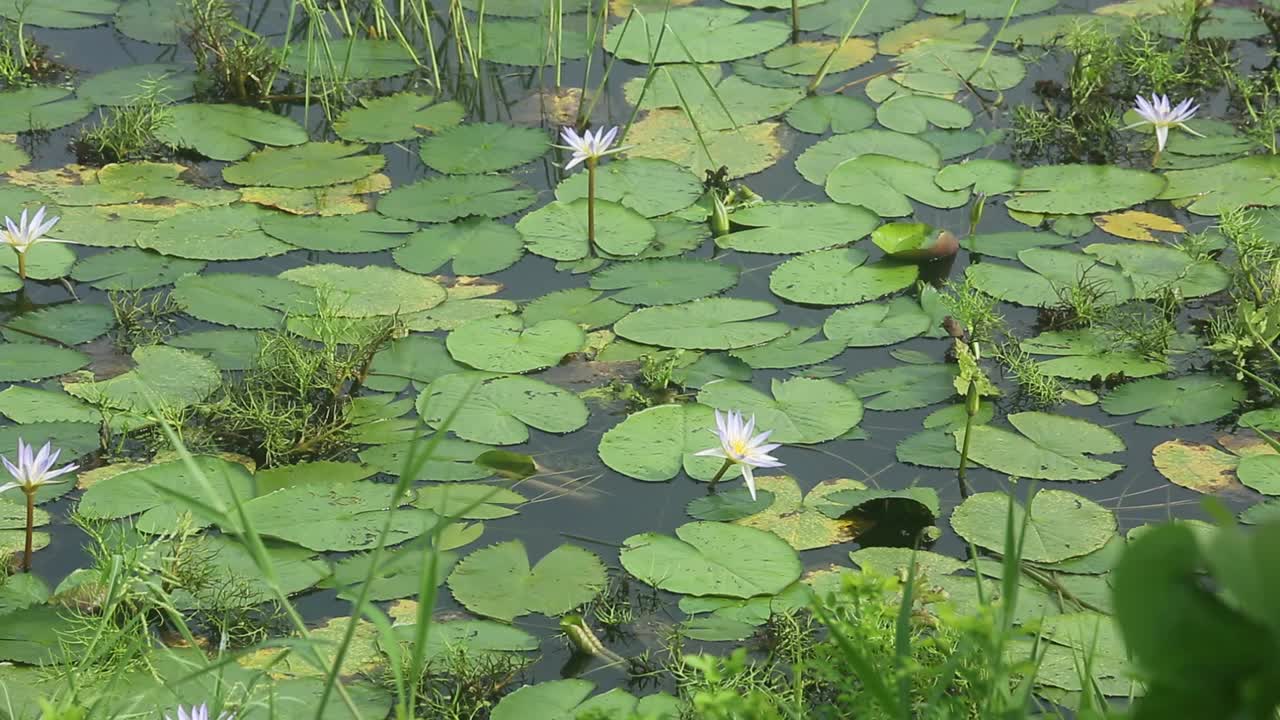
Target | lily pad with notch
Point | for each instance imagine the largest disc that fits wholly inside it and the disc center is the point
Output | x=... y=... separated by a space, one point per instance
x=801 y=411
x=498 y=582
x=804 y=522
x=441 y=199
x=398 y=117
x=228 y=132
x=499 y=409
x=1188 y=400
x=796 y=227
x=1046 y=447
x=839 y=276
x=360 y=232
x=506 y=344
x=708 y=324
x=1061 y=525
x=475 y=246
x=476 y=148
x=666 y=281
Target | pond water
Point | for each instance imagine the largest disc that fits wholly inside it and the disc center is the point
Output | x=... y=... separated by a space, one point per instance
x=597 y=506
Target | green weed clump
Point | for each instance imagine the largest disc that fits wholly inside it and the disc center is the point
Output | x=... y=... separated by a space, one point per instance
x=233 y=63
x=128 y=132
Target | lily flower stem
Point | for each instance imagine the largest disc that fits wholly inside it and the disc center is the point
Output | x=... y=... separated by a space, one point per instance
x=31 y=515
x=22 y=267
x=591 y=204
x=719 y=474
x=971 y=408
x=795 y=21
x=1155 y=159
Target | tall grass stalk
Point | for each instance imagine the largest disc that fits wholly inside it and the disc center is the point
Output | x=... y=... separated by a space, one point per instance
x=826 y=63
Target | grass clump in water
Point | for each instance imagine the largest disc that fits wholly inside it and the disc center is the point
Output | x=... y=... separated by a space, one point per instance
x=128 y=132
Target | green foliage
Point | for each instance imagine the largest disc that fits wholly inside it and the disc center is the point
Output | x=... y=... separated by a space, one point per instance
x=233 y=63
x=129 y=131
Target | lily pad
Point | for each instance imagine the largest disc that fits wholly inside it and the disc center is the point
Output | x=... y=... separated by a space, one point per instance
x=243 y=301
x=668 y=135
x=913 y=114
x=709 y=324
x=39 y=108
x=69 y=323
x=476 y=246
x=817 y=162
x=369 y=291
x=164 y=378
x=313 y=164
x=497 y=409
x=905 y=387
x=777 y=227
x=132 y=269
x=343 y=516
x=482 y=147
x=1083 y=189
x=655 y=444
x=707 y=558
x=142 y=492
x=497 y=581
x=121 y=86
x=706 y=34
x=1061 y=525
x=558 y=230
x=232 y=232
x=799 y=521
x=353 y=58
x=791 y=350
x=883 y=184
x=361 y=232
x=1050 y=447
x=22 y=361
x=441 y=199
x=153 y=21
x=839 y=276
x=877 y=324
x=817 y=114
x=1156 y=268
x=665 y=281
x=1088 y=353
x=228 y=132
x=393 y=118
x=1188 y=400
x=506 y=344
x=650 y=186
x=802 y=410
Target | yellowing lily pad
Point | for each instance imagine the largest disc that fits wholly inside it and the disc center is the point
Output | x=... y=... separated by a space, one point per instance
x=797 y=520
x=1137 y=225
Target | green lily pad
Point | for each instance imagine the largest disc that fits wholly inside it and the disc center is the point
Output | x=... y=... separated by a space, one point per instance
x=707 y=558
x=905 y=387
x=840 y=276
x=986 y=9
x=228 y=132
x=1240 y=182
x=441 y=199
x=243 y=301
x=120 y=86
x=1007 y=245
x=352 y=58
x=23 y=361
x=1155 y=268
x=709 y=324
x=505 y=344
x=228 y=349
x=650 y=186
x=655 y=444
x=1061 y=525
x=883 y=184
x=232 y=232
x=451 y=460
x=69 y=324
x=361 y=232
x=393 y=118
x=1052 y=273
x=833 y=16
x=802 y=410
x=313 y=164
x=40 y=108
x=989 y=177
x=558 y=230
x=499 y=409
x=799 y=521
x=142 y=492
x=497 y=581
x=877 y=324
x=584 y=306
x=709 y=34
x=527 y=43
x=153 y=21
x=476 y=246
x=668 y=135
x=399 y=574
x=807 y=57
x=132 y=269
x=665 y=281
x=729 y=505
x=1083 y=189
x=817 y=162
x=913 y=114
x=1050 y=447
x=343 y=516
x=1189 y=400
x=1260 y=472
x=564 y=700
x=482 y=147
x=1088 y=353
x=470 y=502
x=818 y=114
x=369 y=291
x=790 y=350
x=717 y=101
x=777 y=227
x=65 y=14
x=164 y=377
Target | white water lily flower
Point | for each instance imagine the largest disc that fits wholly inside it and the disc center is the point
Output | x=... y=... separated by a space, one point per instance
x=27 y=232
x=738 y=446
x=588 y=145
x=197 y=712
x=34 y=470
x=1158 y=113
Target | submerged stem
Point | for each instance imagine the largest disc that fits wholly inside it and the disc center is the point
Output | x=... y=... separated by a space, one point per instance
x=795 y=21
x=971 y=409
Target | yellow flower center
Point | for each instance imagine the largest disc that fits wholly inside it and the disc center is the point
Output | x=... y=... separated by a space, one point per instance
x=738 y=447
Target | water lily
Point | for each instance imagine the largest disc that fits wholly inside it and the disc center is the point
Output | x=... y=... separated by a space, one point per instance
x=588 y=148
x=26 y=233
x=197 y=712
x=1158 y=113
x=31 y=472
x=738 y=446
